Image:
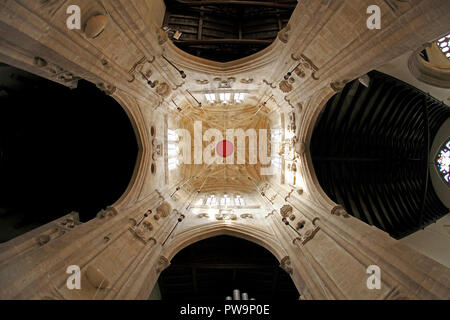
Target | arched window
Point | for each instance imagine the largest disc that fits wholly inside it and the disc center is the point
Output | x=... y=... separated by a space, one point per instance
x=443 y=162
x=444 y=44
x=173 y=149
x=211 y=201
x=225 y=200
x=239 y=201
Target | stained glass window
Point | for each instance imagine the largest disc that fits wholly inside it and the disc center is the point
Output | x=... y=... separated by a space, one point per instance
x=444 y=45
x=443 y=162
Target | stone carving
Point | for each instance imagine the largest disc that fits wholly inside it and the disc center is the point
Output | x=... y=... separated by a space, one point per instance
x=299 y=107
x=300 y=224
x=163 y=89
x=247 y=81
x=300 y=72
x=157 y=149
x=285 y=264
x=70 y=222
x=164 y=209
x=300 y=147
x=162 y=264
x=142 y=231
x=273 y=212
x=39 y=62
x=292 y=217
x=338 y=86
x=96 y=277
x=95 y=26
x=246 y=216
x=139 y=67
x=203 y=215
x=300 y=191
x=315 y=220
x=283 y=35
x=43 y=239
x=225 y=83
x=285 y=86
x=292 y=126
x=202 y=81
x=107 y=88
x=56 y=72
x=288 y=195
x=109 y=212
x=305 y=66
x=162 y=37
x=286 y=210
x=226 y=216
x=270 y=84
x=309 y=234
x=339 y=211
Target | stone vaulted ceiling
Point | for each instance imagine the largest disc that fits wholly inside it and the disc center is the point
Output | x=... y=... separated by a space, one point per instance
x=223 y=177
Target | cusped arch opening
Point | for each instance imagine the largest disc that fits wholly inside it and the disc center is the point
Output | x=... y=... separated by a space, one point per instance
x=210 y=269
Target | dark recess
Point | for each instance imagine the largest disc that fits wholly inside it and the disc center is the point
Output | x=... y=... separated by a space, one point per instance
x=370 y=150
x=210 y=269
x=61 y=150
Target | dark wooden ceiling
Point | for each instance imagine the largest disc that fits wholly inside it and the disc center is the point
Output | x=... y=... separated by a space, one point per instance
x=226 y=30
x=211 y=269
x=370 y=151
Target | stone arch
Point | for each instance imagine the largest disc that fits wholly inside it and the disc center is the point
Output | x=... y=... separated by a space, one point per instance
x=184 y=239
x=258 y=237
x=317 y=105
x=143 y=159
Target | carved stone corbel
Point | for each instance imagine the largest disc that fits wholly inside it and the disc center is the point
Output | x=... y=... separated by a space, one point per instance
x=285 y=264
x=107 y=88
x=338 y=86
x=109 y=212
x=339 y=211
x=283 y=35
x=162 y=264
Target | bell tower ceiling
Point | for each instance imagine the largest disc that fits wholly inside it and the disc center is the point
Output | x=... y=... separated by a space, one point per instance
x=237 y=161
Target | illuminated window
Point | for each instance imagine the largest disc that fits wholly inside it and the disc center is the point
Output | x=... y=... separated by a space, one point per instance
x=276 y=162
x=211 y=200
x=211 y=97
x=239 y=201
x=225 y=200
x=173 y=163
x=171 y=135
x=238 y=97
x=444 y=45
x=173 y=150
x=276 y=135
x=443 y=162
x=225 y=97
